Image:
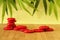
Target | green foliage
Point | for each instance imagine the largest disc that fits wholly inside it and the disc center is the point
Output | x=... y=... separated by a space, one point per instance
x=45 y=6
x=36 y=6
x=3 y=11
x=8 y=4
x=50 y=7
x=20 y=2
x=55 y=12
x=53 y=6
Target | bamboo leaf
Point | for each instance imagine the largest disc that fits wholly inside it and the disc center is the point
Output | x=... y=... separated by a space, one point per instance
x=19 y=3
x=50 y=7
x=45 y=6
x=13 y=2
x=3 y=11
x=25 y=8
x=6 y=10
x=36 y=6
x=22 y=6
x=10 y=9
x=55 y=12
x=29 y=4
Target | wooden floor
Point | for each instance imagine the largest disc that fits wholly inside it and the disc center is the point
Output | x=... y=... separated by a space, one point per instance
x=17 y=35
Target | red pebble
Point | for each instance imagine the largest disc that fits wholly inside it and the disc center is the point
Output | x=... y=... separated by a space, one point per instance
x=23 y=30
x=38 y=30
x=43 y=27
x=7 y=28
x=16 y=28
x=50 y=29
x=11 y=24
x=11 y=20
x=28 y=31
x=21 y=27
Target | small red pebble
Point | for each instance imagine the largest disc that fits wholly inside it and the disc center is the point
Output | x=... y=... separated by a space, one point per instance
x=21 y=27
x=43 y=27
x=16 y=28
x=28 y=31
x=23 y=30
x=50 y=29
x=38 y=30
x=7 y=28
x=11 y=20
x=11 y=24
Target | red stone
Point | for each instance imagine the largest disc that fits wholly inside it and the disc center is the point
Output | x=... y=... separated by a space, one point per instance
x=21 y=27
x=23 y=30
x=28 y=31
x=11 y=24
x=11 y=20
x=50 y=29
x=43 y=27
x=16 y=28
x=37 y=30
x=8 y=28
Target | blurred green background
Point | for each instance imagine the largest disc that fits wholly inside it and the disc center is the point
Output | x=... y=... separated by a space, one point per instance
x=22 y=17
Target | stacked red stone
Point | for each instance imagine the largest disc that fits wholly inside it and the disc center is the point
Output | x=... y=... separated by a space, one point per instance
x=11 y=24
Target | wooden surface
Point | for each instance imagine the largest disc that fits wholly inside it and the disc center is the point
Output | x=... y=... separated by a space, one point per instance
x=17 y=35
